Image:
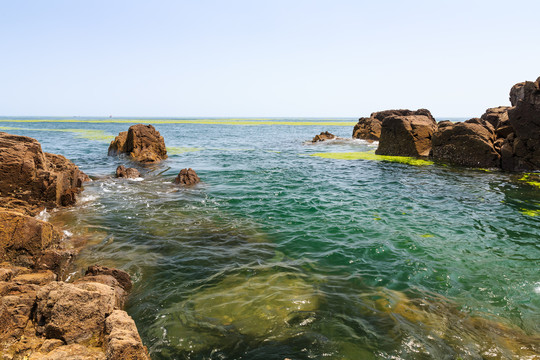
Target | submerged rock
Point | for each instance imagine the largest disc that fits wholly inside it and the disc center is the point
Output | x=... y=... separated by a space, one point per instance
x=187 y=177
x=36 y=178
x=141 y=143
x=128 y=173
x=407 y=135
x=323 y=136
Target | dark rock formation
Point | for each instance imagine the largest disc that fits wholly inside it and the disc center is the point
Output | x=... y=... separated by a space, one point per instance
x=367 y=129
x=141 y=143
x=497 y=116
x=187 y=177
x=323 y=136
x=467 y=144
x=30 y=176
x=128 y=173
x=407 y=135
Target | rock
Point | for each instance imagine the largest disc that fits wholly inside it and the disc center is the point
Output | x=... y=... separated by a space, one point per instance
x=71 y=352
x=406 y=135
x=24 y=238
x=187 y=177
x=16 y=305
x=467 y=144
x=122 y=339
x=37 y=178
x=129 y=173
x=74 y=313
x=36 y=278
x=367 y=129
x=56 y=260
x=142 y=143
x=496 y=116
x=444 y=123
x=6 y=274
x=323 y=136
x=122 y=277
x=118 y=280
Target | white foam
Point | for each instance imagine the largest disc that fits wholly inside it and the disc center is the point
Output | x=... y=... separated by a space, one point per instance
x=43 y=215
x=68 y=233
x=87 y=198
x=136 y=179
x=537 y=288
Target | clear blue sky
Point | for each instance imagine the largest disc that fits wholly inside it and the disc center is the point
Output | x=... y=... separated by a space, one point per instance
x=263 y=58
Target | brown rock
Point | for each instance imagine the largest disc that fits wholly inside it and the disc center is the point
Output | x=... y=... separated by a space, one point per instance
x=466 y=144
x=16 y=305
x=367 y=129
x=37 y=278
x=323 y=136
x=406 y=135
x=187 y=177
x=122 y=339
x=496 y=116
x=37 y=178
x=129 y=173
x=71 y=352
x=122 y=277
x=23 y=238
x=74 y=313
x=141 y=142
x=444 y=123
x=56 y=260
x=381 y=115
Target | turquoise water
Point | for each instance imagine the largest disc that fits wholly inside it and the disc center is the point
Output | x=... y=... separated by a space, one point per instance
x=279 y=254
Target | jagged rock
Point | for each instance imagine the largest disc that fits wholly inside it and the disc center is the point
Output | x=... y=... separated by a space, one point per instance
x=408 y=135
x=56 y=260
x=496 y=116
x=122 y=339
x=16 y=305
x=122 y=277
x=74 y=313
x=129 y=173
x=323 y=136
x=37 y=178
x=24 y=238
x=367 y=129
x=141 y=143
x=187 y=177
x=467 y=144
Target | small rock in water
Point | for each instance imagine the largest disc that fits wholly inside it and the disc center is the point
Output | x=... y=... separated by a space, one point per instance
x=325 y=135
x=187 y=177
x=129 y=173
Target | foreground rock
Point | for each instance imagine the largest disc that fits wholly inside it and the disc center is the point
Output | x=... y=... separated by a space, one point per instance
x=31 y=179
x=323 y=136
x=141 y=143
x=370 y=128
x=470 y=144
x=187 y=177
x=128 y=173
x=406 y=135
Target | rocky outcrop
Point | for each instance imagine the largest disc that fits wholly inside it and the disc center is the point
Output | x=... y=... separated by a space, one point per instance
x=497 y=116
x=32 y=179
x=187 y=177
x=141 y=143
x=367 y=129
x=406 y=135
x=128 y=173
x=323 y=136
x=470 y=144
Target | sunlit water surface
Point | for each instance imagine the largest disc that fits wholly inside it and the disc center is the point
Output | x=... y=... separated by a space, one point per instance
x=280 y=254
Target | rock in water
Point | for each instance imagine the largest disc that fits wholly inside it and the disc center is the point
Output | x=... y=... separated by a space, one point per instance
x=142 y=143
x=187 y=177
x=128 y=173
x=37 y=178
x=325 y=135
x=406 y=135
x=367 y=129
x=467 y=144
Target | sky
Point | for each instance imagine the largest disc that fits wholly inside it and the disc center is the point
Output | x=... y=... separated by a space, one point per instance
x=250 y=58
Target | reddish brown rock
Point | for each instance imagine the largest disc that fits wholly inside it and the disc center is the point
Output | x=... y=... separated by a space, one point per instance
x=467 y=144
x=122 y=339
x=36 y=278
x=367 y=129
x=32 y=176
x=68 y=352
x=323 y=136
x=141 y=143
x=406 y=135
x=16 y=305
x=187 y=177
x=128 y=173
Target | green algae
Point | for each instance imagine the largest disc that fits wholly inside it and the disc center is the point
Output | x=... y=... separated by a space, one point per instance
x=532 y=179
x=529 y=212
x=426 y=235
x=177 y=150
x=89 y=134
x=370 y=155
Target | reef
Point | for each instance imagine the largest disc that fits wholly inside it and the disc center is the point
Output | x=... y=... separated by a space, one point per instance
x=41 y=315
x=187 y=177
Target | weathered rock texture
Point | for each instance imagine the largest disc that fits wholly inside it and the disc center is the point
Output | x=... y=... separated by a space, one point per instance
x=187 y=177
x=367 y=129
x=406 y=135
x=323 y=136
x=31 y=179
x=470 y=144
x=141 y=143
x=128 y=173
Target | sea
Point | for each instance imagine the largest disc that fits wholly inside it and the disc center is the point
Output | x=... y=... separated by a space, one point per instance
x=289 y=249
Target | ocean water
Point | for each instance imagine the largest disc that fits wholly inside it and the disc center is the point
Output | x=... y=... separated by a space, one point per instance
x=293 y=250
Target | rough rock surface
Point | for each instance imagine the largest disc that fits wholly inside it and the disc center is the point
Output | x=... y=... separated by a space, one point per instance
x=187 y=177
x=323 y=136
x=408 y=135
x=128 y=173
x=469 y=144
x=521 y=150
x=496 y=116
x=367 y=129
x=122 y=339
x=142 y=143
x=31 y=176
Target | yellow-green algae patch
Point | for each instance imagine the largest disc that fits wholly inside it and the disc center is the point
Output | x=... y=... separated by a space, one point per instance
x=370 y=155
x=90 y=134
x=530 y=212
x=531 y=179
x=177 y=150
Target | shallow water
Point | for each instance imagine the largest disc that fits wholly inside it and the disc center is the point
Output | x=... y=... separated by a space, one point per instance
x=279 y=254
